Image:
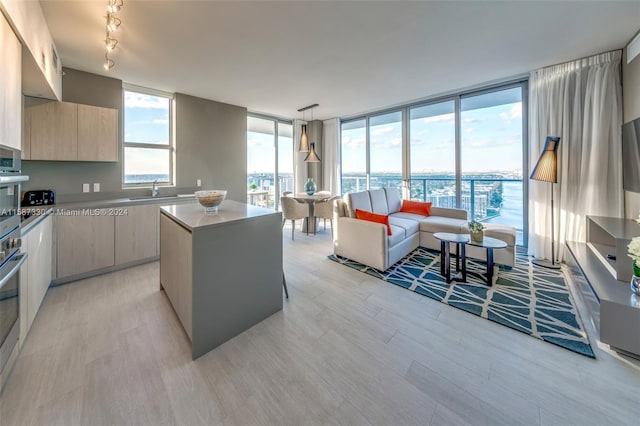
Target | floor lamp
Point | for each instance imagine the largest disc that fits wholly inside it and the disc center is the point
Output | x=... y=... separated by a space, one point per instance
x=546 y=170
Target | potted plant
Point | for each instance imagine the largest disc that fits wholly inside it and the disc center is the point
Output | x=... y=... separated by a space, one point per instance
x=253 y=187
x=476 y=230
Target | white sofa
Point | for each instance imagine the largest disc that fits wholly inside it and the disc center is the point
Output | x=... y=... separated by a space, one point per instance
x=368 y=243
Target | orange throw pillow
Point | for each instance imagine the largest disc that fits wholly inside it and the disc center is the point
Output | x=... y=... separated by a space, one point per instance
x=416 y=207
x=374 y=217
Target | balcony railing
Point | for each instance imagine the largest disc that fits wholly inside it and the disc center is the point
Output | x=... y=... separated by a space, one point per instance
x=486 y=199
x=265 y=182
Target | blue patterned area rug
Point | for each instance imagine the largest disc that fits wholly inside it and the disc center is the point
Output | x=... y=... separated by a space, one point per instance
x=527 y=298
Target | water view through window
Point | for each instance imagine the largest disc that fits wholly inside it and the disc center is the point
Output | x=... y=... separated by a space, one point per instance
x=489 y=151
x=147 y=138
x=491 y=157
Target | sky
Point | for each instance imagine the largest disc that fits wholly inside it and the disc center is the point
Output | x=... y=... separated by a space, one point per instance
x=491 y=140
x=261 y=152
x=146 y=121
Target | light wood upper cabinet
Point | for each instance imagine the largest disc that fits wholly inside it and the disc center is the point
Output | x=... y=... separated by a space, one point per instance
x=42 y=75
x=97 y=133
x=10 y=86
x=26 y=135
x=65 y=131
x=54 y=131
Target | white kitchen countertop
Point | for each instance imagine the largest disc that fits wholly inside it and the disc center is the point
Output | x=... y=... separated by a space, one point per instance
x=40 y=212
x=192 y=216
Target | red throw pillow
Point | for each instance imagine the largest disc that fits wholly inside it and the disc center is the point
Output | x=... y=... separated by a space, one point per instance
x=374 y=217
x=417 y=207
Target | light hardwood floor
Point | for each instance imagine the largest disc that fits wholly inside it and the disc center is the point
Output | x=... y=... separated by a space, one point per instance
x=346 y=349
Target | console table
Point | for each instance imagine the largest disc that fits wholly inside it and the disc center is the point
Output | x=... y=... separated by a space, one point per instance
x=604 y=263
x=610 y=236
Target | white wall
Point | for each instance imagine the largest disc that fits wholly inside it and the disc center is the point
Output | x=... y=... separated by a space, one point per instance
x=41 y=77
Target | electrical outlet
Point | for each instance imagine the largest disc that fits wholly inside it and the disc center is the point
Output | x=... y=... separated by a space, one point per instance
x=85 y=187
x=198 y=183
x=96 y=187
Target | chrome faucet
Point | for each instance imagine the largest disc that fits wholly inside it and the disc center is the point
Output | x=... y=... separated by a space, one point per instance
x=154 y=188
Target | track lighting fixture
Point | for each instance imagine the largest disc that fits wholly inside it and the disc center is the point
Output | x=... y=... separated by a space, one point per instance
x=110 y=43
x=112 y=24
x=108 y=63
x=114 y=6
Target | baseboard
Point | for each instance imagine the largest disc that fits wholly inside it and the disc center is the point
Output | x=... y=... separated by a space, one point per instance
x=102 y=271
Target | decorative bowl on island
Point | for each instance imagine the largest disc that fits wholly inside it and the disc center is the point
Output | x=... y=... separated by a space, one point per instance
x=211 y=199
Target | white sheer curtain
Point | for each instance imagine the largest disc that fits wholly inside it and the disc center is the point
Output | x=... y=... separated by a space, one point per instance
x=580 y=101
x=300 y=171
x=331 y=155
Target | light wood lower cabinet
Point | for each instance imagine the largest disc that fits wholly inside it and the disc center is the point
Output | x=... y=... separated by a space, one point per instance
x=90 y=240
x=85 y=241
x=176 y=269
x=137 y=233
x=35 y=274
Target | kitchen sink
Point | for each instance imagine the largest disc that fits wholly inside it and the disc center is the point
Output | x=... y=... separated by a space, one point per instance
x=162 y=197
x=157 y=197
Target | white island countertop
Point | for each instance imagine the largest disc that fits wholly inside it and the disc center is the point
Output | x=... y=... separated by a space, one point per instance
x=193 y=217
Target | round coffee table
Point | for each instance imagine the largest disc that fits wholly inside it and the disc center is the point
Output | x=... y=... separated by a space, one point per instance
x=445 y=254
x=461 y=241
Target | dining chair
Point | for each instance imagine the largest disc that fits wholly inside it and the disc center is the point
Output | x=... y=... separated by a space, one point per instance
x=324 y=211
x=293 y=210
x=285 y=193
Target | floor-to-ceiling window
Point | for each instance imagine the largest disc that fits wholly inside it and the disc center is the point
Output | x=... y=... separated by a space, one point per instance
x=269 y=160
x=432 y=149
x=464 y=151
x=385 y=150
x=491 y=148
x=285 y=158
x=354 y=155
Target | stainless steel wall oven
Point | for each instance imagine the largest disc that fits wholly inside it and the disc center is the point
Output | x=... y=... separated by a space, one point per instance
x=10 y=256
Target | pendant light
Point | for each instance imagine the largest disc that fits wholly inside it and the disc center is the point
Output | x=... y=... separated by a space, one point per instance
x=304 y=139
x=312 y=157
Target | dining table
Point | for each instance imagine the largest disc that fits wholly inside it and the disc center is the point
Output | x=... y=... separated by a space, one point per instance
x=309 y=223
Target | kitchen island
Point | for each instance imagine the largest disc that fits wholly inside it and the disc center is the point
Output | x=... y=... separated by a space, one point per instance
x=222 y=271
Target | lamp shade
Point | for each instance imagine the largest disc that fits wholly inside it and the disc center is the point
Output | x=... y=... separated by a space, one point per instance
x=546 y=169
x=304 y=140
x=312 y=157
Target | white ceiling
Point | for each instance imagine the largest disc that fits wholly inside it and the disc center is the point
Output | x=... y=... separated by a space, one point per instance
x=350 y=57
